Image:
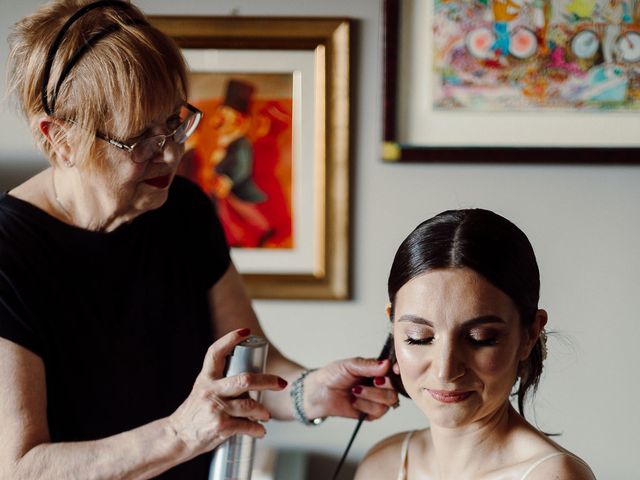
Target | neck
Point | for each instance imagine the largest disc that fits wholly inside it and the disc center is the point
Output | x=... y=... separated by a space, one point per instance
x=79 y=203
x=463 y=452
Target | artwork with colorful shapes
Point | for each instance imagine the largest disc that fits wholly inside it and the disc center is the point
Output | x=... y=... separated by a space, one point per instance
x=241 y=155
x=519 y=55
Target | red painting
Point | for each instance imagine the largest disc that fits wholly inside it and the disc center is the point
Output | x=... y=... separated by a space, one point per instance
x=241 y=155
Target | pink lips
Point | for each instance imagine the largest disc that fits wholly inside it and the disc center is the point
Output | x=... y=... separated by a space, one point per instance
x=159 y=182
x=449 y=396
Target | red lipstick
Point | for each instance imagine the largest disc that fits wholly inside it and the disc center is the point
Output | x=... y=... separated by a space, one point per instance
x=159 y=182
x=449 y=396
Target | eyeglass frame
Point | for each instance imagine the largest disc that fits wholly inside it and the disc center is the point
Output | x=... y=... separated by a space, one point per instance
x=129 y=148
x=49 y=103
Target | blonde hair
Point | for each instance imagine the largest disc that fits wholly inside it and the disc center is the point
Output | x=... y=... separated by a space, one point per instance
x=130 y=76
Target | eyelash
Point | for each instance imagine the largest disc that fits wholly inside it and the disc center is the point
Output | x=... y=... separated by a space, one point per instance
x=418 y=341
x=488 y=342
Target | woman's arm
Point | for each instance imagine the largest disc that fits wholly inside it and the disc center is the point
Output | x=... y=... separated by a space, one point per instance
x=329 y=391
x=201 y=423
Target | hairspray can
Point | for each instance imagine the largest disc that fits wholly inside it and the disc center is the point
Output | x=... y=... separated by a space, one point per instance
x=233 y=459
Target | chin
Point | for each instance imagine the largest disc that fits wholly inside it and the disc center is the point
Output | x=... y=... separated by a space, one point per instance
x=151 y=202
x=452 y=415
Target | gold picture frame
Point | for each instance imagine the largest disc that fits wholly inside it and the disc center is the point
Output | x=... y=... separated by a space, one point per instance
x=326 y=42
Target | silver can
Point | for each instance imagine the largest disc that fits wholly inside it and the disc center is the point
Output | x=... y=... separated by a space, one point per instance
x=233 y=459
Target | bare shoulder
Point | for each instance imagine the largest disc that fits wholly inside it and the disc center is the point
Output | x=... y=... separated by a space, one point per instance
x=382 y=461
x=562 y=467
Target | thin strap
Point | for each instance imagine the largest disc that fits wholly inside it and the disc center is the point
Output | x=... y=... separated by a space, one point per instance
x=551 y=455
x=404 y=456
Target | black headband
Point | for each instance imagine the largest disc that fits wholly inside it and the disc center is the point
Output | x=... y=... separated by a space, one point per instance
x=49 y=105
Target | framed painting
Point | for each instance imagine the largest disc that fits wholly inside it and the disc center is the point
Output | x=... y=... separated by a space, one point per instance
x=512 y=81
x=272 y=150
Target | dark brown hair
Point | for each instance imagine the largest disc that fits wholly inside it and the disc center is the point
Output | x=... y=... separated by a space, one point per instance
x=488 y=244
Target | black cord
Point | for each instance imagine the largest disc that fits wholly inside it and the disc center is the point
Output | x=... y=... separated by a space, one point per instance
x=346 y=450
x=384 y=354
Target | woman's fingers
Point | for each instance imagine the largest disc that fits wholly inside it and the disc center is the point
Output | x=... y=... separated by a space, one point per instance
x=214 y=360
x=242 y=426
x=372 y=409
x=218 y=408
x=381 y=392
x=374 y=401
x=247 y=407
x=245 y=382
x=361 y=367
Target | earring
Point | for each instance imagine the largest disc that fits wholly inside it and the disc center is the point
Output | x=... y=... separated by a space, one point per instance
x=521 y=371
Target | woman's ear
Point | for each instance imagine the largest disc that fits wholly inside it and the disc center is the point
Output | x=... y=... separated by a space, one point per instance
x=394 y=365
x=533 y=333
x=55 y=132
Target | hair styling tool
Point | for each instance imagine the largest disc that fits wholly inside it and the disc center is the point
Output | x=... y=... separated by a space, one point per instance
x=384 y=354
x=233 y=459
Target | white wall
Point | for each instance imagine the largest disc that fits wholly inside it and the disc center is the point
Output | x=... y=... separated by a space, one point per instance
x=584 y=223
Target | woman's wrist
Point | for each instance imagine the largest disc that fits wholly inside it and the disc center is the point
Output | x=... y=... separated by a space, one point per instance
x=176 y=444
x=304 y=393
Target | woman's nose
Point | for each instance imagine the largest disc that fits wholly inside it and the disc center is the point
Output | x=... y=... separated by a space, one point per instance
x=449 y=363
x=169 y=152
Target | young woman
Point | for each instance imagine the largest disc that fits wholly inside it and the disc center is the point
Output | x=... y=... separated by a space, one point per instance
x=467 y=331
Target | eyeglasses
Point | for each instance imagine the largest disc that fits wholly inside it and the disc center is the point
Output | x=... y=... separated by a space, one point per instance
x=184 y=124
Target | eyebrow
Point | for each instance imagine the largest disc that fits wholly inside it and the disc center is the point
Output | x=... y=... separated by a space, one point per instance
x=473 y=322
x=176 y=109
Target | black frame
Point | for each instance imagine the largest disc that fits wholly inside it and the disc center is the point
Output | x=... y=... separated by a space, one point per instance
x=396 y=152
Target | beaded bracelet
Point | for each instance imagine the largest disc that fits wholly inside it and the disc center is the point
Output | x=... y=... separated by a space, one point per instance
x=297 y=392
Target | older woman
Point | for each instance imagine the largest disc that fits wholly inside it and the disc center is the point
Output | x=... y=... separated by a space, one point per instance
x=466 y=331
x=115 y=275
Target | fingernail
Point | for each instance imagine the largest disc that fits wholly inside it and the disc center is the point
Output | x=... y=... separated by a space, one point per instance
x=357 y=390
x=282 y=383
x=378 y=381
x=244 y=332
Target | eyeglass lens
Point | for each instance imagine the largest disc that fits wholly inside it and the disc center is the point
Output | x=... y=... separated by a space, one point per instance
x=153 y=145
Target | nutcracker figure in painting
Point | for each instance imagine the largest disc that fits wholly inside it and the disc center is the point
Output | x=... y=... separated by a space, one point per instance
x=237 y=194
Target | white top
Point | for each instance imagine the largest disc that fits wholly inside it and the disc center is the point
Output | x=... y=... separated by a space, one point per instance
x=404 y=457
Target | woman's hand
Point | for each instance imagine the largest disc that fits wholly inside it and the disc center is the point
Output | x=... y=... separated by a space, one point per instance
x=218 y=407
x=339 y=389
